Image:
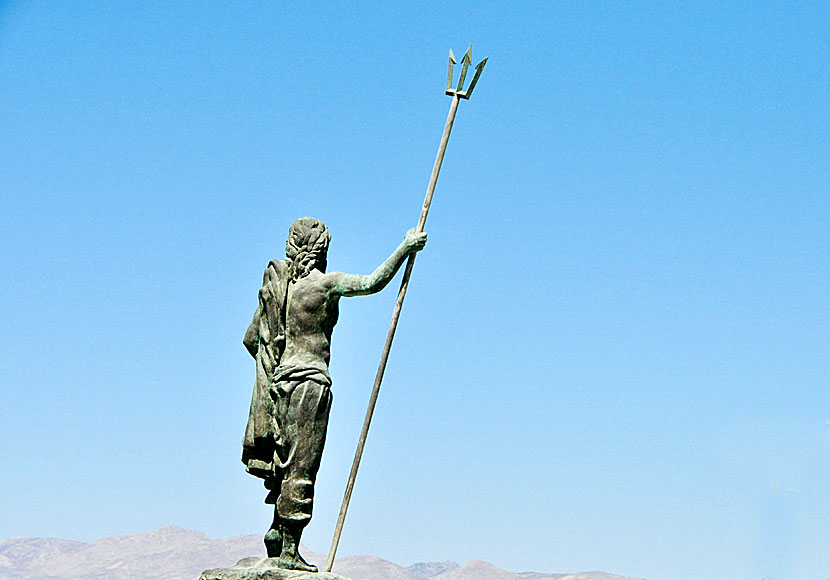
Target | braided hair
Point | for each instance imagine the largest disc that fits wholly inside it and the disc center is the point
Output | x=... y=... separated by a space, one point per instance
x=306 y=247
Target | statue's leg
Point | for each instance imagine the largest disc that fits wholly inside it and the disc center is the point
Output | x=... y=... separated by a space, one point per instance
x=308 y=418
x=273 y=537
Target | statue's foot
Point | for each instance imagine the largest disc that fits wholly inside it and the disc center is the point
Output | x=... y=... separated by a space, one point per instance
x=295 y=563
x=273 y=543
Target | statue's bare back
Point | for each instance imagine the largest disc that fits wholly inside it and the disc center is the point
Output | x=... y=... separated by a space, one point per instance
x=312 y=311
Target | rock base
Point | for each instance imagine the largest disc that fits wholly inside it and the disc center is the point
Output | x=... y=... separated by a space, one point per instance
x=264 y=569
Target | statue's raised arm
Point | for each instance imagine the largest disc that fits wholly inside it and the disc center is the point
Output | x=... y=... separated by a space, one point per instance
x=357 y=285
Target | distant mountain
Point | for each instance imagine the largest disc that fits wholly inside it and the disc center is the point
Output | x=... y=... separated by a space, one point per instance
x=424 y=570
x=175 y=553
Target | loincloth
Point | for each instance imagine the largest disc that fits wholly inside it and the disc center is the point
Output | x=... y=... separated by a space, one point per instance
x=286 y=377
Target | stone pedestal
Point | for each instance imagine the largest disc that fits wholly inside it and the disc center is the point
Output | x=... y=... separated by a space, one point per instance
x=264 y=569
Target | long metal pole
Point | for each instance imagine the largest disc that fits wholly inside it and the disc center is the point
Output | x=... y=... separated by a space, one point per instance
x=390 y=335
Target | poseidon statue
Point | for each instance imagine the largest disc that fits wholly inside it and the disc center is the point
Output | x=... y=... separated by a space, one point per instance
x=290 y=338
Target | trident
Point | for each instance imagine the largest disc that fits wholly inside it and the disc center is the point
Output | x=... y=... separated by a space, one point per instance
x=457 y=94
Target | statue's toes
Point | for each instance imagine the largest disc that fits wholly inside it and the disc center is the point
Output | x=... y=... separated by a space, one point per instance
x=296 y=564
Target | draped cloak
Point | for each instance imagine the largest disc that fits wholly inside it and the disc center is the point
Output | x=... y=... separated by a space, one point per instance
x=265 y=340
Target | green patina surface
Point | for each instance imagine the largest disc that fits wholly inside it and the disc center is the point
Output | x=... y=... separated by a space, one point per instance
x=290 y=339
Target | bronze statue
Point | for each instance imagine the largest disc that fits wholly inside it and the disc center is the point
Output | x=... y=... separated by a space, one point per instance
x=290 y=337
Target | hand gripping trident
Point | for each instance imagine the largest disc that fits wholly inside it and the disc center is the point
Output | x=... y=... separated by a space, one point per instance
x=457 y=94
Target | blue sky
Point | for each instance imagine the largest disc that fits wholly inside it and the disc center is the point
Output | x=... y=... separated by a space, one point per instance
x=614 y=351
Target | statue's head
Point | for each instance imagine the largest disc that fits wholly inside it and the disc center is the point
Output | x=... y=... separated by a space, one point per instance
x=306 y=247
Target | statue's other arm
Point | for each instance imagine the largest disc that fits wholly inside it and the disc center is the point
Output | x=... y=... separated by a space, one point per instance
x=357 y=285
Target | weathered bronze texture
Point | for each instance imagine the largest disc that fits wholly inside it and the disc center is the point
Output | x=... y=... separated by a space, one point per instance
x=290 y=338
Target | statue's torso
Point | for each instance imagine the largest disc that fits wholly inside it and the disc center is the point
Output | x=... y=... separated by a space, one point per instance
x=312 y=311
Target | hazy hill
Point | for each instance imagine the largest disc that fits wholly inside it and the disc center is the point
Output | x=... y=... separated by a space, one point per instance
x=174 y=553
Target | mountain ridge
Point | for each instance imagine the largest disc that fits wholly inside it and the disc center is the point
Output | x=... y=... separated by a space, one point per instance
x=176 y=553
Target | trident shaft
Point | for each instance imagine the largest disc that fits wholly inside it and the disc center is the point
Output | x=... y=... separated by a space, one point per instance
x=457 y=94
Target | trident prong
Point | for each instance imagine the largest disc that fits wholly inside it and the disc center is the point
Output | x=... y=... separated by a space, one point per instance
x=465 y=64
x=479 y=68
x=449 y=72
